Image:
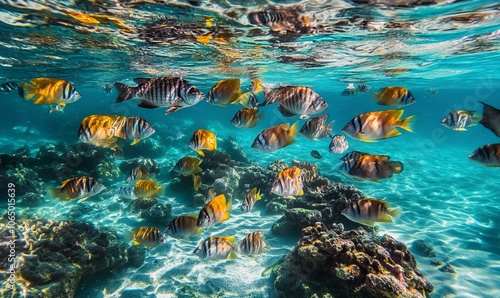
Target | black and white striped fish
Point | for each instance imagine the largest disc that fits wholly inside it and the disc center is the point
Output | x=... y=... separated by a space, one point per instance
x=370 y=167
x=10 y=86
x=252 y=197
x=218 y=247
x=460 y=119
x=488 y=155
x=369 y=211
x=183 y=226
x=135 y=128
x=316 y=128
x=148 y=236
x=295 y=100
x=77 y=188
x=253 y=243
x=266 y=17
x=172 y=92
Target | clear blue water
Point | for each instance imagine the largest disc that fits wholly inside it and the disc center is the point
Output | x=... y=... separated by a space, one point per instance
x=447 y=199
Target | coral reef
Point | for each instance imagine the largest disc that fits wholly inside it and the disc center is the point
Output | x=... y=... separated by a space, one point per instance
x=159 y=214
x=147 y=148
x=231 y=147
x=53 y=256
x=334 y=263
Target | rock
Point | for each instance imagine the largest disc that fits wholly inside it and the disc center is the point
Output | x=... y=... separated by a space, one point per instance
x=447 y=268
x=158 y=214
x=32 y=199
x=136 y=256
x=231 y=147
x=295 y=219
x=127 y=165
x=141 y=204
x=274 y=207
x=148 y=148
x=423 y=248
x=348 y=264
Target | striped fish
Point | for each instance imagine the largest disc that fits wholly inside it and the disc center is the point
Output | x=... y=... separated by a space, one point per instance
x=139 y=173
x=275 y=138
x=394 y=96
x=488 y=155
x=214 y=212
x=9 y=86
x=148 y=236
x=183 y=226
x=219 y=247
x=80 y=188
x=354 y=155
x=369 y=211
x=253 y=243
x=288 y=183
x=49 y=91
x=203 y=139
x=173 y=92
x=459 y=120
x=370 y=167
x=338 y=145
x=295 y=100
x=135 y=128
x=225 y=92
x=246 y=118
x=315 y=128
x=99 y=130
x=252 y=197
x=147 y=189
x=188 y=166
x=266 y=17
x=126 y=191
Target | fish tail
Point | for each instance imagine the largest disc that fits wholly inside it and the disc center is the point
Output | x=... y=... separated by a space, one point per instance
x=54 y=193
x=395 y=212
x=396 y=166
x=124 y=92
x=292 y=131
x=407 y=123
x=329 y=127
x=27 y=91
x=376 y=96
x=257 y=195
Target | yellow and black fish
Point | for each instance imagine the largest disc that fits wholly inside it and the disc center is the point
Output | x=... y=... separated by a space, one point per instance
x=252 y=197
x=148 y=236
x=147 y=189
x=135 y=128
x=203 y=139
x=369 y=211
x=99 y=130
x=196 y=182
x=77 y=188
x=394 y=96
x=246 y=118
x=225 y=92
x=214 y=212
x=253 y=243
x=219 y=247
x=140 y=173
x=288 y=183
x=188 y=166
x=275 y=138
x=369 y=167
x=183 y=226
x=488 y=155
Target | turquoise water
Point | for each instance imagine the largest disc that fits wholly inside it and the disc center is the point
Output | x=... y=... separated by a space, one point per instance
x=446 y=58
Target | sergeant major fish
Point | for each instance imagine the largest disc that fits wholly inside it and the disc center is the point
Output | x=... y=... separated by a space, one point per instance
x=203 y=139
x=369 y=211
x=246 y=118
x=488 y=155
x=275 y=138
x=214 y=212
x=491 y=118
x=253 y=243
x=183 y=226
x=288 y=183
x=394 y=96
x=173 y=92
x=295 y=100
x=139 y=173
x=135 y=128
x=80 y=188
x=370 y=167
x=315 y=128
x=216 y=247
x=459 y=120
x=148 y=236
x=188 y=166
x=250 y=199
x=147 y=189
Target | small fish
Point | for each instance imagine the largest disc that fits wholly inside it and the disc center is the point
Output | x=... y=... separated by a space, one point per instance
x=491 y=119
x=432 y=91
x=316 y=154
x=135 y=128
x=488 y=155
x=275 y=138
x=210 y=195
x=338 y=145
x=148 y=236
x=246 y=118
x=99 y=130
x=394 y=96
x=49 y=91
x=80 y=188
x=173 y=92
x=183 y=226
x=117 y=151
x=295 y=100
x=188 y=166
x=225 y=92
x=248 y=100
x=369 y=211
x=256 y=86
x=362 y=88
x=459 y=120
x=252 y=197
x=203 y=139
x=350 y=90
x=370 y=167
x=196 y=182
x=214 y=212
x=147 y=189
x=139 y=173
x=252 y=244
x=108 y=88
x=10 y=86
x=372 y=126
x=126 y=191
x=315 y=128
x=219 y=247
x=288 y=183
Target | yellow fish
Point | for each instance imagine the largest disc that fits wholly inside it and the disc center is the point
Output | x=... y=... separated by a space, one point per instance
x=188 y=165
x=147 y=189
x=196 y=182
x=49 y=91
x=246 y=118
x=148 y=236
x=394 y=96
x=203 y=139
x=183 y=226
x=275 y=138
x=225 y=92
x=288 y=183
x=79 y=187
x=369 y=211
x=214 y=212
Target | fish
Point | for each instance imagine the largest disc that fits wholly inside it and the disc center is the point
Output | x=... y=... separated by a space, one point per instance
x=460 y=119
x=491 y=119
x=369 y=211
x=394 y=96
x=139 y=173
x=183 y=226
x=315 y=128
x=147 y=189
x=250 y=199
x=49 y=91
x=225 y=92
x=362 y=88
x=135 y=128
x=108 y=88
x=99 y=130
x=488 y=155
x=288 y=183
x=203 y=139
x=354 y=155
x=350 y=90
x=295 y=100
x=214 y=212
x=338 y=145
x=188 y=166
x=196 y=182
x=371 y=126
x=316 y=154
x=80 y=188
x=10 y=86
x=126 y=191
x=253 y=243
x=370 y=167
x=248 y=100
x=173 y=92
x=148 y=236
x=256 y=86
x=216 y=247
x=276 y=137
x=246 y=118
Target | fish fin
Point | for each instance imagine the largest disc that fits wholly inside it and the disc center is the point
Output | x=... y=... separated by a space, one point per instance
x=329 y=127
x=292 y=131
x=301 y=192
x=160 y=191
x=135 y=243
x=28 y=91
x=257 y=194
x=225 y=217
x=385 y=218
x=397 y=166
x=491 y=118
x=124 y=92
x=395 y=212
x=245 y=98
x=394 y=133
x=367 y=223
x=54 y=193
x=232 y=256
x=229 y=204
x=460 y=129
x=147 y=105
x=290 y=197
x=362 y=138
x=200 y=152
x=230 y=239
x=256 y=86
x=407 y=123
x=204 y=39
x=376 y=96
x=476 y=119
x=172 y=110
x=82 y=199
x=198 y=231
x=135 y=142
x=141 y=80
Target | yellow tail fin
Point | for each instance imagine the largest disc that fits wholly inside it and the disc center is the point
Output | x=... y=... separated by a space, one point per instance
x=395 y=212
x=54 y=193
x=376 y=96
x=407 y=123
x=29 y=91
x=292 y=131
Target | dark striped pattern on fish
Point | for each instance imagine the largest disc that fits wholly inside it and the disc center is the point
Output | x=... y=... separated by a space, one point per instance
x=252 y=244
x=369 y=211
x=488 y=155
x=295 y=100
x=459 y=120
x=134 y=128
x=183 y=226
x=266 y=17
x=9 y=86
x=138 y=173
x=315 y=128
x=79 y=187
x=370 y=167
x=214 y=212
x=491 y=119
x=219 y=247
x=148 y=236
x=252 y=197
